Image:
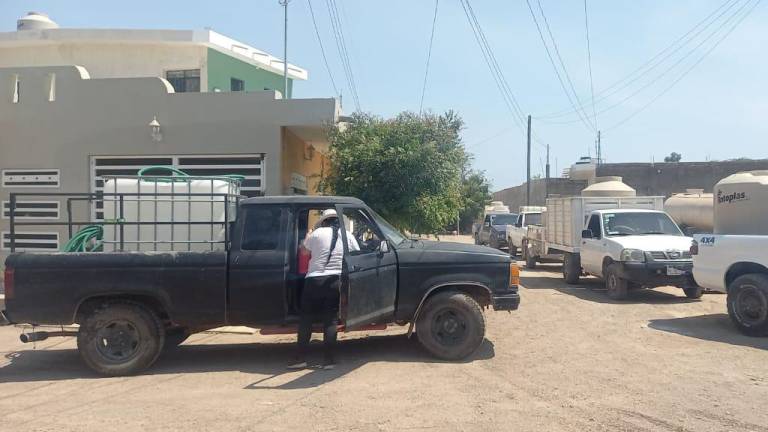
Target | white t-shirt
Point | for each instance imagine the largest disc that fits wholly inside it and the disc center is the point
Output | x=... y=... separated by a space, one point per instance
x=318 y=242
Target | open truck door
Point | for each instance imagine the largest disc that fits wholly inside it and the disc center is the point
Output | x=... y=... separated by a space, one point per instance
x=369 y=279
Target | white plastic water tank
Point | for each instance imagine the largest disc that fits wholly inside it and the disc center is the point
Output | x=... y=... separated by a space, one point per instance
x=693 y=208
x=608 y=186
x=35 y=21
x=496 y=207
x=741 y=204
x=167 y=201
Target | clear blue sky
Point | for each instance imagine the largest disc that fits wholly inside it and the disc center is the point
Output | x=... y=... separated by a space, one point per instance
x=717 y=111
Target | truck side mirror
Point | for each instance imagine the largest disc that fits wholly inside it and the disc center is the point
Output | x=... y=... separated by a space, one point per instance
x=519 y=224
x=487 y=224
x=586 y=234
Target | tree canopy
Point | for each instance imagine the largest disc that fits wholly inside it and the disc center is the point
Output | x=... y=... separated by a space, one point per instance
x=408 y=168
x=673 y=157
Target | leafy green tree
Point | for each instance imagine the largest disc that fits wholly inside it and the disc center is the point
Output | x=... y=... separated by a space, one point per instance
x=409 y=168
x=476 y=194
x=673 y=157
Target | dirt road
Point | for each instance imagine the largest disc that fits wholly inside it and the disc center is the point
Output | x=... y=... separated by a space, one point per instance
x=569 y=359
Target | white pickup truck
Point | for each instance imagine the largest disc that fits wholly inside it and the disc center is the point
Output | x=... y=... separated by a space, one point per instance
x=529 y=215
x=627 y=241
x=736 y=265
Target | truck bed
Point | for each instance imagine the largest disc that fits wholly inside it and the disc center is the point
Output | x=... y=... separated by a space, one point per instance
x=191 y=286
x=565 y=217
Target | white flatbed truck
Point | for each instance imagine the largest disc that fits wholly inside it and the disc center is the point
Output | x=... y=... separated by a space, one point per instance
x=629 y=242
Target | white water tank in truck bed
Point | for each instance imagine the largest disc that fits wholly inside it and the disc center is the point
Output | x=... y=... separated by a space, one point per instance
x=741 y=204
x=608 y=186
x=692 y=208
x=162 y=200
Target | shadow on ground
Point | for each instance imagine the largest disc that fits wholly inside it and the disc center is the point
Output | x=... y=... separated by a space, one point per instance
x=257 y=358
x=714 y=327
x=593 y=289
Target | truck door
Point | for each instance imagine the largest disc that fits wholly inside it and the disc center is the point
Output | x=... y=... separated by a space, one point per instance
x=369 y=285
x=485 y=230
x=258 y=266
x=592 y=248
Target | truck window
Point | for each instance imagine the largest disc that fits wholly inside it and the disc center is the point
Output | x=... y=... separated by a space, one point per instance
x=363 y=230
x=594 y=226
x=262 y=230
x=533 y=219
x=639 y=223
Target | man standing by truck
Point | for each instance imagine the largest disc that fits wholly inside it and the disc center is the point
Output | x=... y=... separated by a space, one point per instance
x=320 y=297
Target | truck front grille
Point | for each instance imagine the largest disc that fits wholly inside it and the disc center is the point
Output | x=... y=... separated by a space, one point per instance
x=670 y=255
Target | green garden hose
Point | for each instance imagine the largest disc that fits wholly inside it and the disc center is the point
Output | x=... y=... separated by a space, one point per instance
x=88 y=239
x=178 y=175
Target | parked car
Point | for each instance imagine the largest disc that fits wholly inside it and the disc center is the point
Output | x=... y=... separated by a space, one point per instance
x=736 y=265
x=529 y=215
x=130 y=305
x=627 y=241
x=493 y=231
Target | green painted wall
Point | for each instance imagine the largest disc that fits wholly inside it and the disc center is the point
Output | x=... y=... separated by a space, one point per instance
x=222 y=68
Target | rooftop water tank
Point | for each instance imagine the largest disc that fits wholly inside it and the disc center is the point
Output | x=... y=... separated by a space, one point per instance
x=741 y=204
x=35 y=21
x=584 y=169
x=608 y=186
x=693 y=208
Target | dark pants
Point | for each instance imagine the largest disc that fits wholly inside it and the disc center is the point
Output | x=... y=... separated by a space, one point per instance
x=319 y=303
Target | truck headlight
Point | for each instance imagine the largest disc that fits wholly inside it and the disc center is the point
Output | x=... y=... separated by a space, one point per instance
x=633 y=255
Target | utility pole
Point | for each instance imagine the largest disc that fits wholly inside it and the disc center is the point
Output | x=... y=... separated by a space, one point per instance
x=599 y=150
x=284 y=4
x=546 y=185
x=528 y=170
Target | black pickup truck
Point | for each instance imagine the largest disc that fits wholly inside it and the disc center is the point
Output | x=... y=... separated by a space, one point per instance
x=131 y=305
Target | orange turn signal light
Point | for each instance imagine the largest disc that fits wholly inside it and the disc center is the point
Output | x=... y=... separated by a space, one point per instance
x=514 y=274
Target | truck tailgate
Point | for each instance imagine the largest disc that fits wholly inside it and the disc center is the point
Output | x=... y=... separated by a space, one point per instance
x=48 y=288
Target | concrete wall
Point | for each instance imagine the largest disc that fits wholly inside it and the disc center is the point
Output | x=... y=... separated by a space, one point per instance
x=515 y=197
x=300 y=159
x=668 y=178
x=222 y=68
x=112 y=60
x=108 y=117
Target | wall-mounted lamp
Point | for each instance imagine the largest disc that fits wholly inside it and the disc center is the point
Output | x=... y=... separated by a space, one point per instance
x=309 y=152
x=157 y=136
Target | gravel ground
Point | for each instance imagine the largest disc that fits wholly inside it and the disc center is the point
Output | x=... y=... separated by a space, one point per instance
x=569 y=359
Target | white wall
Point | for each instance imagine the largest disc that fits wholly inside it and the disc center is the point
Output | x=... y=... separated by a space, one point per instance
x=110 y=60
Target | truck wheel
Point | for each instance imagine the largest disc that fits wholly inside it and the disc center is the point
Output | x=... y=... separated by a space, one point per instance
x=120 y=339
x=571 y=268
x=693 y=292
x=451 y=326
x=748 y=304
x=617 y=287
x=175 y=337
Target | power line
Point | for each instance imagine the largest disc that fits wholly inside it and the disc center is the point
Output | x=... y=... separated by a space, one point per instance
x=651 y=64
x=338 y=34
x=495 y=73
x=554 y=66
x=687 y=71
x=589 y=63
x=672 y=67
x=322 y=49
x=429 y=56
x=562 y=63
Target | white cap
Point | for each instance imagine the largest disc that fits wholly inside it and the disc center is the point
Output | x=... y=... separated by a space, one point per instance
x=327 y=214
